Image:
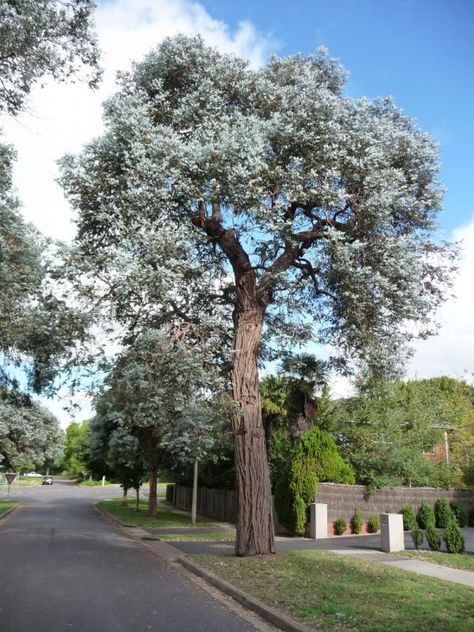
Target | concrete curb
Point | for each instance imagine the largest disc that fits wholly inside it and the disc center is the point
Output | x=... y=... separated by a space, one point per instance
x=168 y=553
x=271 y=615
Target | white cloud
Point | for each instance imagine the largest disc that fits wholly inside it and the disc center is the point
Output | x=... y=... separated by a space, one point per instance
x=62 y=118
x=451 y=352
x=69 y=408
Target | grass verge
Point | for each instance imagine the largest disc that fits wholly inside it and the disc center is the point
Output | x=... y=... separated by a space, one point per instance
x=131 y=518
x=335 y=593
x=6 y=505
x=462 y=561
x=195 y=537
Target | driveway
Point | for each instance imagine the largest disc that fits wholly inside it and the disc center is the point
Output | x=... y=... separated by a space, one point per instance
x=64 y=569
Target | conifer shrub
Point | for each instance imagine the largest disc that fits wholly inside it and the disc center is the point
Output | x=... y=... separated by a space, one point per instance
x=443 y=513
x=459 y=513
x=340 y=526
x=454 y=538
x=417 y=536
x=425 y=516
x=373 y=524
x=357 y=522
x=409 y=517
x=314 y=459
x=433 y=538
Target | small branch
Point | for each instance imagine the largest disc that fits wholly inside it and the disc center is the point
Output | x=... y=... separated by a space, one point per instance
x=179 y=312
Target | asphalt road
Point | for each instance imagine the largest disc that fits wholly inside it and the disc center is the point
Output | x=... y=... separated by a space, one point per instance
x=63 y=569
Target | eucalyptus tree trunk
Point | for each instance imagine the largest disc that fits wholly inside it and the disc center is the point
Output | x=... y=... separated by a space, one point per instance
x=254 y=500
x=125 y=496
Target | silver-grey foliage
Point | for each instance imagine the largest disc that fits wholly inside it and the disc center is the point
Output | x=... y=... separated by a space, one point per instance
x=40 y=38
x=332 y=199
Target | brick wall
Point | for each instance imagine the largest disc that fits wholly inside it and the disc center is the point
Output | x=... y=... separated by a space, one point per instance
x=342 y=500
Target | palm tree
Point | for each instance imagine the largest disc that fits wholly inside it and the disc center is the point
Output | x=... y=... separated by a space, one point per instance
x=305 y=376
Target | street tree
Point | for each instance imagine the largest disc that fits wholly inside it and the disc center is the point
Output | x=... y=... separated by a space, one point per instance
x=151 y=387
x=317 y=209
x=194 y=435
x=114 y=452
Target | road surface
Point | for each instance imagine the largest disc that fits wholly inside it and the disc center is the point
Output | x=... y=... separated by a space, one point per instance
x=64 y=569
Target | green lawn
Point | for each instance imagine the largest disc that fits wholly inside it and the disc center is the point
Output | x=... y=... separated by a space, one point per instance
x=195 y=537
x=342 y=594
x=463 y=561
x=27 y=482
x=94 y=483
x=131 y=518
x=5 y=505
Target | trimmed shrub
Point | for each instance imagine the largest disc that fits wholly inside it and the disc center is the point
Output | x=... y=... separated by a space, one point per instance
x=340 y=526
x=433 y=538
x=459 y=513
x=443 y=513
x=373 y=524
x=454 y=538
x=357 y=521
x=417 y=536
x=425 y=516
x=409 y=517
x=314 y=459
x=470 y=518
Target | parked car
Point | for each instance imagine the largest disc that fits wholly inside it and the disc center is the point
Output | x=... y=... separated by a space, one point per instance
x=33 y=475
x=47 y=480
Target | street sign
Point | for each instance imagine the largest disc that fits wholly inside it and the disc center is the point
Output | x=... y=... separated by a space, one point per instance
x=10 y=477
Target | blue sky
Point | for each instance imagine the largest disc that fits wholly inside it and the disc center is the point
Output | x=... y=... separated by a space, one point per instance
x=418 y=51
x=421 y=52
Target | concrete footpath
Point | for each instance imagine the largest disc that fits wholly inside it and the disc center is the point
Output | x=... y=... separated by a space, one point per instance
x=366 y=547
x=176 y=552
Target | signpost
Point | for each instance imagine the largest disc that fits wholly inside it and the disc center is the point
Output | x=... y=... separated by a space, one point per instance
x=10 y=476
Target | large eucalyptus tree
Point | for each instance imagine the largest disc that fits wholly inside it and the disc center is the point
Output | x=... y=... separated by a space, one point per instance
x=315 y=208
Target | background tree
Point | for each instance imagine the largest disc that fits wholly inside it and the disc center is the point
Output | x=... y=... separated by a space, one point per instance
x=76 y=449
x=383 y=432
x=38 y=39
x=41 y=38
x=29 y=434
x=317 y=209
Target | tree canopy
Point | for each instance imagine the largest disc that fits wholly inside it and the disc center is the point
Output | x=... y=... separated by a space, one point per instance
x=29 y=434
x=41 y=38
x=313 y=211
x=385 y=429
